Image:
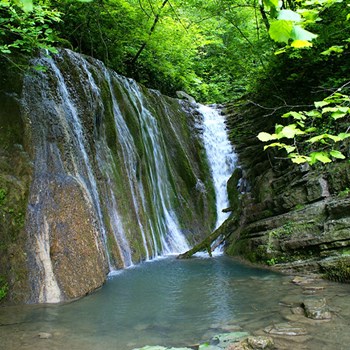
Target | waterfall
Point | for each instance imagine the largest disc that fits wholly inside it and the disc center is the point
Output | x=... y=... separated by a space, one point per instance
x=221 y=157
x=115 y=180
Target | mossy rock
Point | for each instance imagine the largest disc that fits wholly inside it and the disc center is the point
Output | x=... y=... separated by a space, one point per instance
x=337 y=269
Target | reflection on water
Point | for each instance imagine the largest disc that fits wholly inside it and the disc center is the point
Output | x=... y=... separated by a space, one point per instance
x=172 y=302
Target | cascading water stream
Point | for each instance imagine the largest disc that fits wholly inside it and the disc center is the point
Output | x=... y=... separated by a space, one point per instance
x=221 y=157
x=116 y=169
x=172 y=240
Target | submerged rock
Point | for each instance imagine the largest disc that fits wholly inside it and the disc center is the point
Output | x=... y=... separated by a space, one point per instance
x=285 y=329
x=317 y=309
x=157 y=347
x=253 y=343
x=44 y=335
x=224 y=339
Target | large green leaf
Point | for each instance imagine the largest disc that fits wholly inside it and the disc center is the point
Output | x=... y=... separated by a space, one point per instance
x=27 y=5
x=265 y=136
x=320 y=156
x=289 y=15
x=281 y=30
x=270 y=3
x=299 y=33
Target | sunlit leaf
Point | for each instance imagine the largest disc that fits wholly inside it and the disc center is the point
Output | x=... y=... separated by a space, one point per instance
x=314 y=114
x=321 y=157
x=338 y=115
x=270 y=3
x=329 y=109
x=299 y=33
x=27 y=5
x=333 y=49
x=337 y=154
x=343 y=135
x=275 y=144
x=289 y=15
x=290 y=131
x=299 y=44
x=320 y=104
x=299 y=159
x=317 y=138
x=334 y=138
x=289 y=149
x=281 y=30
x=265 y=136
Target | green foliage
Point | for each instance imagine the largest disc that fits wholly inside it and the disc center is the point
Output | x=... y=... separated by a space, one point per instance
x=289 y=25
x=25 y=27
x=14 y=217
x=339 y=271
x=3 y=288
x=344 y=193
x=2 y=196
x=307 y=128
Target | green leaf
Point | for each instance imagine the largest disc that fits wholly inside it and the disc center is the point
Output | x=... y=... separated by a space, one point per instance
x=314 y=114
x=317 y=138
x=290 y=131
x=334 y=138
x=295 y=115
x=299 y=33
x=337 y=154
x=27 y=5
x=270 y=3
x=343 y=135
x=321 y=157
x=275 y=144
x=333 y=49
x=265 y=136
x=312 y=129
x=289 y=15
x=278 y=128
x=289 y=149
x=320 y=104
x=281 y=30
x=299 y=159
x=338 y=115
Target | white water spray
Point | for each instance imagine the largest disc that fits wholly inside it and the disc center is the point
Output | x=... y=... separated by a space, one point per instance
x=221 y=157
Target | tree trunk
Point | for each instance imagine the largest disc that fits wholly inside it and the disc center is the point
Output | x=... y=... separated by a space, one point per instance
x=264 y=17
x=207 y=244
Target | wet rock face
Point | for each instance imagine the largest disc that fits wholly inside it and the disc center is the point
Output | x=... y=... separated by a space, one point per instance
x=79 y=264
x=296 y=218
x=96 y=173
x=15 y=177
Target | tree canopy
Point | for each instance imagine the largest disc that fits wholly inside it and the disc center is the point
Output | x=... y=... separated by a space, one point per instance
x=216 y=50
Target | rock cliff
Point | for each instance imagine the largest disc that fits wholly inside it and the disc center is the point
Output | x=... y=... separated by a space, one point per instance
x=97 y=173
x=295 y=218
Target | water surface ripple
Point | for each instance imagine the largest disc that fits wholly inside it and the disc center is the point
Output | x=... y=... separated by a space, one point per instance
x=171 y=302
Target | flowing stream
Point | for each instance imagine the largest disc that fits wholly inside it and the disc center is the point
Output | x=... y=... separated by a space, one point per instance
x=172 y=302
x=221 y=157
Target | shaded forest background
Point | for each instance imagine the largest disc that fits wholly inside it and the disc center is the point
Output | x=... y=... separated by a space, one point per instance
x=216 y=50
x=285 y=57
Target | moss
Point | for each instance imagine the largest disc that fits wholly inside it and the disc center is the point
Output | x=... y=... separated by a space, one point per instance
x=4 y=287
x=338 y=271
